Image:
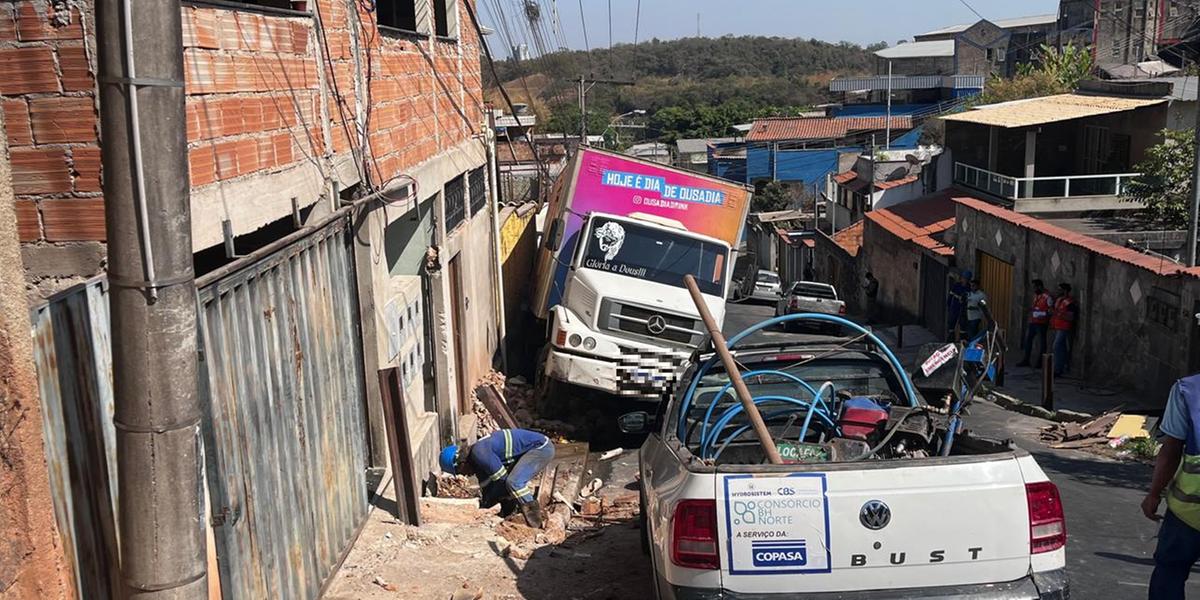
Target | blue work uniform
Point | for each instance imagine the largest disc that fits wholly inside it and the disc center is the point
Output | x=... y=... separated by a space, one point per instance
x=507 y=460
x=1179 y=536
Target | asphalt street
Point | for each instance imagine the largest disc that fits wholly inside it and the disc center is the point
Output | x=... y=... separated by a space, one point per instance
x=1110 y=544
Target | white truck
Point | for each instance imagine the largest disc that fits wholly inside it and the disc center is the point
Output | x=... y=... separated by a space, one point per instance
x=867 y=507
x=621 y=233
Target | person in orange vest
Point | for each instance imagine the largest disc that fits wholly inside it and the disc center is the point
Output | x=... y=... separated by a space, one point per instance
x=1039 y=321
x=1062 y=323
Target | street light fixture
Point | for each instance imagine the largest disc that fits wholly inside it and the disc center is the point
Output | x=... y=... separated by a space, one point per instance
x=613 y=121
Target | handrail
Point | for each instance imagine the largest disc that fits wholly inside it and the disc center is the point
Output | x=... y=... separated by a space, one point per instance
x=1014 y=188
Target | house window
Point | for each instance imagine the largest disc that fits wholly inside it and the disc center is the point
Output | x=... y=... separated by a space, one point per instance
x=456 y=206
x=445 y=18
x=397 y=14
x=478 y=189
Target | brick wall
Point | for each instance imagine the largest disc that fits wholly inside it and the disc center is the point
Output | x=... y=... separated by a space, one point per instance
x=255 y=106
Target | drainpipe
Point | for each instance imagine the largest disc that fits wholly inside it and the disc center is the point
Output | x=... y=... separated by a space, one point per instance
x=494 y=204
x=152 y=299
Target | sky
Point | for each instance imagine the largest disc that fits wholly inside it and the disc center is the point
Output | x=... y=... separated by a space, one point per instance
x=861 y=21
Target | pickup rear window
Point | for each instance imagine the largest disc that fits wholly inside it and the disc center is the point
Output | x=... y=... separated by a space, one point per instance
x=814 y=291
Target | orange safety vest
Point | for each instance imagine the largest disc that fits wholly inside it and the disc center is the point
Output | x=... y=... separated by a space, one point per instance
x=1041 y=309
x=1063 y=319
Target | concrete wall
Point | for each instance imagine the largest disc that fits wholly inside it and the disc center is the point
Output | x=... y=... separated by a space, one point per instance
x=896 y=264
x=518 y=247
x=32 y=564
x=835 y=266
x=931 y=65
x=1136 y=328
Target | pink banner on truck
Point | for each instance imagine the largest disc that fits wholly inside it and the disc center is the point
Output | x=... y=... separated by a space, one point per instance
x=616 y=185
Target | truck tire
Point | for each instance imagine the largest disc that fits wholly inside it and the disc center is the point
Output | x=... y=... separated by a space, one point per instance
x=546 y=391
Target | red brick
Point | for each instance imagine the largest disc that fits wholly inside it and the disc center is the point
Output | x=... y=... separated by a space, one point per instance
x=204 y=24
x=40 y=171
x=28 y=227
x=87 y=168
x=8 y=23
x=225 y=160
x=36 y=21
x=202 y=166
x=230 y=121
x=198 y=72
x=299 y=38
x=266 y=153
x=271 y=107
x=27 y=70
x=16 y=122
x=70 y=219
x=252 y=114
x=63 y=119
x=76 y=72
x=283 y=149
x=247 y=156
x=224 y=74
x=227 y=30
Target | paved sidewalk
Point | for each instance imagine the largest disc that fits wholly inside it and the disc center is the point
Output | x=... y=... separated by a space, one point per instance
x=1025 y=384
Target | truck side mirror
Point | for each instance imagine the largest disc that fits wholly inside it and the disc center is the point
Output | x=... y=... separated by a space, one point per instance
x=554 y=237
x=635 y=422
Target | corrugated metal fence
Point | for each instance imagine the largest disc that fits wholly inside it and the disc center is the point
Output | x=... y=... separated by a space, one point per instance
x=285 y=424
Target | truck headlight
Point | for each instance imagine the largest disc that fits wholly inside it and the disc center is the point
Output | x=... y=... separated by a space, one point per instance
x=589 y=343
x=574 y=340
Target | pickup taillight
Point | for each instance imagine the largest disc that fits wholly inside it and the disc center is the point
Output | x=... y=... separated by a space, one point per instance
x=1047 y=524
x=694 y=535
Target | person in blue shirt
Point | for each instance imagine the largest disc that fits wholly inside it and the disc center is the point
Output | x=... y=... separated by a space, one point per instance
x=505 y=462
x=1177 y=476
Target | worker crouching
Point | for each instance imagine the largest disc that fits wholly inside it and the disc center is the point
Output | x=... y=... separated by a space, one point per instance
x=506 y=461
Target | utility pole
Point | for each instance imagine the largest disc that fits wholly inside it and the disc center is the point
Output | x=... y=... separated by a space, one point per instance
x=584 y=88
x=888 y=132
x=1194 y=211
x=152 y=299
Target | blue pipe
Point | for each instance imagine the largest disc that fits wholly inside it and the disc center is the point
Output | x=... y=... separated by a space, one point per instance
x=721 y=393
x=743 y=428
x=732 y=411
x=909 y=390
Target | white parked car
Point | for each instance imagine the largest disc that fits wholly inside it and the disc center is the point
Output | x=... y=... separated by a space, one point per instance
x=867 y=507
x=768 y=285
x=810 y=297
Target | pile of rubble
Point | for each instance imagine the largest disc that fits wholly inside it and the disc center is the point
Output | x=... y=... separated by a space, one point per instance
x=1080 y=435
x=519 y=407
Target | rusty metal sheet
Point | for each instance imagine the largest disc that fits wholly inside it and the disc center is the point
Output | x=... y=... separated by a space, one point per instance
x=73 y=357
x=286 y=434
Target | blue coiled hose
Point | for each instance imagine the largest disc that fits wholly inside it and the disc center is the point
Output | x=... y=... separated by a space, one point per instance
x=909 y=389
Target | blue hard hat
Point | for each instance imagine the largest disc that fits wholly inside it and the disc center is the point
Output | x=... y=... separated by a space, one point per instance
x=448 y=459
x=966 y=274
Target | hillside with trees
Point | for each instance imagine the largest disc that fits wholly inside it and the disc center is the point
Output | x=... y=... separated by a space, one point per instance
x=688 y=87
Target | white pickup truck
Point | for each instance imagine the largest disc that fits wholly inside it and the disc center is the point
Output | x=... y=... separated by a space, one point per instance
x=867 y=508
x=810 y=297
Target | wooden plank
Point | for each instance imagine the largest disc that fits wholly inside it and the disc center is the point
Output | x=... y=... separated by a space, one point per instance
x=494 y=402
x=404 y=472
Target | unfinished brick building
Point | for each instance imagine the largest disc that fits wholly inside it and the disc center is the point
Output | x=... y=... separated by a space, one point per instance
x=293 y=109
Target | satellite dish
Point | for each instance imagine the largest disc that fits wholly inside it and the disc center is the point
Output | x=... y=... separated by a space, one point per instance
x=912 y=158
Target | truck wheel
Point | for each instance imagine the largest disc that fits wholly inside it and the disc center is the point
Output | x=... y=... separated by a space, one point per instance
x=547 y=398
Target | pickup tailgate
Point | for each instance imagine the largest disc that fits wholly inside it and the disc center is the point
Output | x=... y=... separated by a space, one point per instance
x=942 y=522
x=816 y=305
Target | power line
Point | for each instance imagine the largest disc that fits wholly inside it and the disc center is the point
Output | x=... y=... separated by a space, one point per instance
x=586 y=45
x=637 y=21
x=972 y=9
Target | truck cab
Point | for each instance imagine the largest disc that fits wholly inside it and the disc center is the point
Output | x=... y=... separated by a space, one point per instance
x=625 y=322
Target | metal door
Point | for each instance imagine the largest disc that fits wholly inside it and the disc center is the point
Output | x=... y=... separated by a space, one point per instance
x=285 y=433
x=933 y=296
x=995 y=277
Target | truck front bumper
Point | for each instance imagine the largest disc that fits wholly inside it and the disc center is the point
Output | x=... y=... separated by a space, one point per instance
x=636 y=374
x=1048 y=585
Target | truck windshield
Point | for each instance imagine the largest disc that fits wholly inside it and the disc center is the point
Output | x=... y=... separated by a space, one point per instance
x=654 y=255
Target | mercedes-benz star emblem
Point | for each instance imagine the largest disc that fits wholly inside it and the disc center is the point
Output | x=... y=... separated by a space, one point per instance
x=656 y=324
x=875 y=515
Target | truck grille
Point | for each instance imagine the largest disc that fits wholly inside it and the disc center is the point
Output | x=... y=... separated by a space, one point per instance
x=644 y=322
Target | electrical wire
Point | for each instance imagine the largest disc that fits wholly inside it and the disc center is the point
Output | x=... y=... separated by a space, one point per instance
x=587 y=46
x=972 y=9
x=637 y=21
